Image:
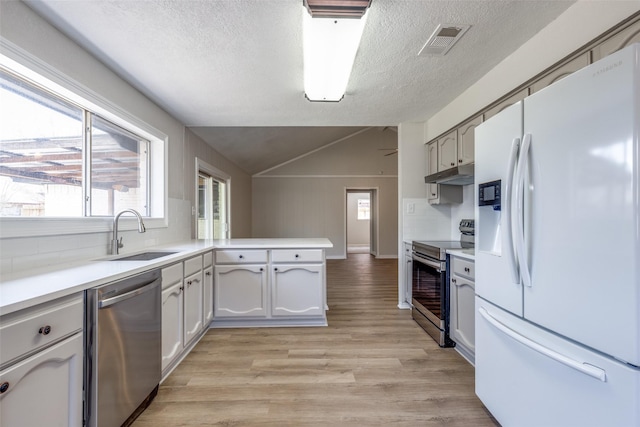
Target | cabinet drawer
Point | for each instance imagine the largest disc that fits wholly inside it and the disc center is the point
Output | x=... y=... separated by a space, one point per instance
x=207 y=259
x=297 y=255
x=27 y=330
x=233 y=256
x=171 y=275
x=463 y=267
x=192 y=265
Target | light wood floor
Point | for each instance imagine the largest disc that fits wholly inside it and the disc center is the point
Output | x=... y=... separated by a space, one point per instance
x=372 y=366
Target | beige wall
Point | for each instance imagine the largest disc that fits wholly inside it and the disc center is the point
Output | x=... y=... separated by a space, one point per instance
x=307 y=197
x=25 y=37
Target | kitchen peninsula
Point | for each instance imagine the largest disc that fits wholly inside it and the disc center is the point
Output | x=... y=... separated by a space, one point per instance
x=205 y=283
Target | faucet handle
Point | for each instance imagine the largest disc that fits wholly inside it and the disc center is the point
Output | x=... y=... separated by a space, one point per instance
x=120 y=244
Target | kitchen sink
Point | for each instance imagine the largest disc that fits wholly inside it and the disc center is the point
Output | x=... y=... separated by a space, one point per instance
x=144 y=256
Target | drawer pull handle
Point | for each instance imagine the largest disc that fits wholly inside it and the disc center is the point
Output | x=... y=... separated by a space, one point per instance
x=4 y=387
x=467 y=269
x=45 y=330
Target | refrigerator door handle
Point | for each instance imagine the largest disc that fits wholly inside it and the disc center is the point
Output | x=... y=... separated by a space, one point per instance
x=511 y=178
x=517 y=211
x=585 y=368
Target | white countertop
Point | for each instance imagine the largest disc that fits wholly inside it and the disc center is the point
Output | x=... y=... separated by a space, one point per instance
x=29 y=288
x=463 y=253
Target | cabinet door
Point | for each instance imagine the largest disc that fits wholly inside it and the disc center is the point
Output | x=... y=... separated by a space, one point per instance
x=462 y=323
x=466 y=141
x=432 y=167
x=408 y=272
x=193 y=315
x=45 y=389
x=208 y=296
x=617 y=41
x=240 y=291
x=172 y=318
x=560 y=72
x=297 y=290
x=519 y=96
x=448 y=151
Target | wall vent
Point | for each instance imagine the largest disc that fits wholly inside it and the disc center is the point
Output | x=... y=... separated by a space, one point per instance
x=443 y=39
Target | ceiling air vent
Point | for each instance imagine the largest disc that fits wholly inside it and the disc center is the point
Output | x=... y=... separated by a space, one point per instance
x=443 y=39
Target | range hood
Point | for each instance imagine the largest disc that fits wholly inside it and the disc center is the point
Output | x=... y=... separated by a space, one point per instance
x=458 y=175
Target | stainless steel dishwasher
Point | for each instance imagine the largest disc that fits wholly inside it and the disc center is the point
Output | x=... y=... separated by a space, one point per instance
x=123 y=349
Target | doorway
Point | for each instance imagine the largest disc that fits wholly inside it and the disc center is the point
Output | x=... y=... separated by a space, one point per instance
x=360 y=221
x=212 y=202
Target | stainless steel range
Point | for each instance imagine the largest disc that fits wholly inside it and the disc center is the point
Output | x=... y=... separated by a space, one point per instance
x=430 y=292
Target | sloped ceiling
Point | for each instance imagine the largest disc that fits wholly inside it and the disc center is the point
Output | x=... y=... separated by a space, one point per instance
x=223 y=66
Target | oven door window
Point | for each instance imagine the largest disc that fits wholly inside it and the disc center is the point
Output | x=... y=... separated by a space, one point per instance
x=427 y=287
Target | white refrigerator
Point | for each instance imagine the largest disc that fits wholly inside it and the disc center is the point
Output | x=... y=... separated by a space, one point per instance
x=557 y=185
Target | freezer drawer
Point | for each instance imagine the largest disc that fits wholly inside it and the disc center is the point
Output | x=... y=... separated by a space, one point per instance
x=527 y=376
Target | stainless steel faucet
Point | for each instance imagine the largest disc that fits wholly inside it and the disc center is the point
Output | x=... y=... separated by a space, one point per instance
x=115 y=244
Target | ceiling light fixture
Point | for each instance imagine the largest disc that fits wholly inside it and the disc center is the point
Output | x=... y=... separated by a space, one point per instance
x=331 y=36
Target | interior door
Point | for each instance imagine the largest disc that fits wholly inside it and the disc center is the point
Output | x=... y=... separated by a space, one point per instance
x=583 y=218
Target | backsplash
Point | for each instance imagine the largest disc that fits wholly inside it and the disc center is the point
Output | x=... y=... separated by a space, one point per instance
x=20 y=254
x=465 y=210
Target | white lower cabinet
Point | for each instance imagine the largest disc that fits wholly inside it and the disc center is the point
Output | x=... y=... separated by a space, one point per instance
x=172 y=337
x=184 y=304
x=297 y=289
x=462 y=307
x=193 y=310
x=273 y=287
x=240 y=291
x=41 y=365
x=207 y=291
x=45 y=389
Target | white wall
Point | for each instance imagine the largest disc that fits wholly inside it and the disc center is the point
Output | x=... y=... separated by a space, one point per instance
x=306 y=197
x=21 y=30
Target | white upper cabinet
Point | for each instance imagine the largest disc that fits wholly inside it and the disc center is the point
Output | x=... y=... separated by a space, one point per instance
x=466 y=141
x=624 y=38
x=447 y=151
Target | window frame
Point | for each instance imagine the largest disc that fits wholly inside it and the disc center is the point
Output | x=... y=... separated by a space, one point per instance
x=23 y=65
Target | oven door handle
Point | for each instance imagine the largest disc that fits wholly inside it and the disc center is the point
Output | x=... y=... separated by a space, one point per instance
x=428 y=262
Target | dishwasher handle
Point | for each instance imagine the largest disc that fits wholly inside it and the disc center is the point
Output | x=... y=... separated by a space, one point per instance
x=133 y=293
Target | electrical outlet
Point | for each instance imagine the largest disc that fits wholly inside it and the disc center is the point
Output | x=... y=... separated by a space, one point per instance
x=411 y=208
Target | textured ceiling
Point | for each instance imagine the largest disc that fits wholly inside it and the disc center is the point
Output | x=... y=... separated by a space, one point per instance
x=238 y=63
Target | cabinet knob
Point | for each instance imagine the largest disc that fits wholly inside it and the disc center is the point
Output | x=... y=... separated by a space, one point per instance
x=45 y=330
x=433 y=194
x=459 y=160
x=467 y=269
x=208 y=273
x=189 y=282
x=241 y=256
x=275 y=269
x=453 y=280
x=297 y=256
x=453 y=164
x=4 y=387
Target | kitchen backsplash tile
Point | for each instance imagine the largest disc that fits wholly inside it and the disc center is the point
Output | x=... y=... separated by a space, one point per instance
x=20 y=254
